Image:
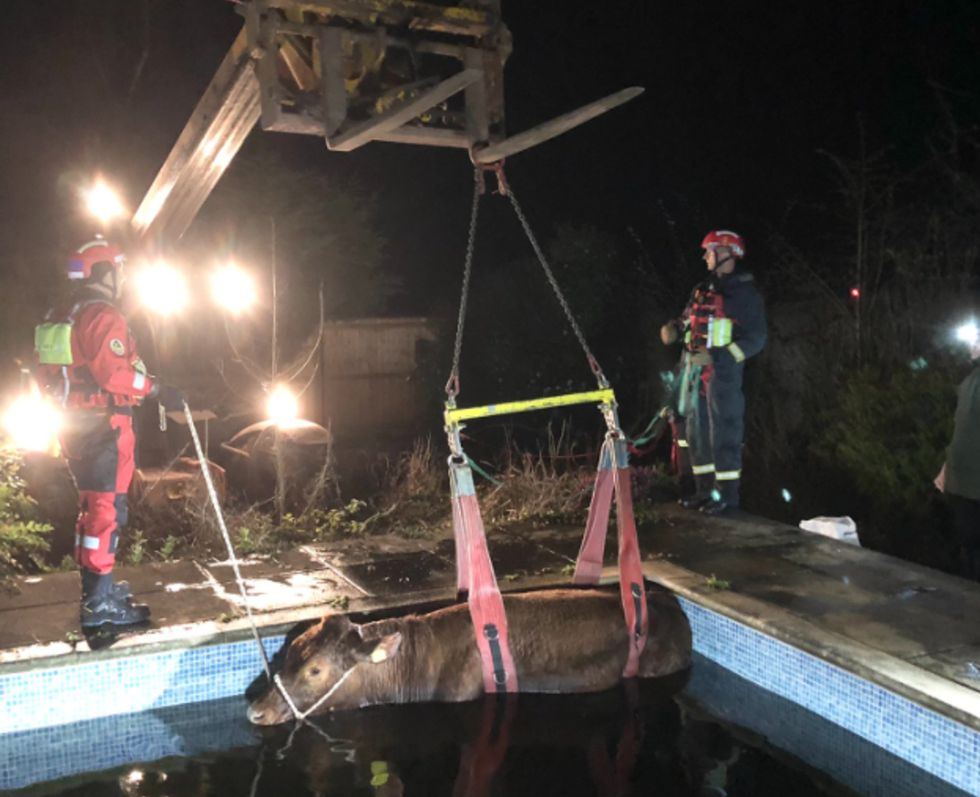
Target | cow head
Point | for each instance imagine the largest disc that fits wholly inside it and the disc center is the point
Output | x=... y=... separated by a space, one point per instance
x=316 y=661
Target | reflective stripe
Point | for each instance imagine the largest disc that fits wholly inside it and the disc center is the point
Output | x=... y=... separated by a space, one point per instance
x=736 y=351
x=728 y=475
x=92 y=543
x=682 y=444
x=139 y=381
x=700 y=470
x=78 y=540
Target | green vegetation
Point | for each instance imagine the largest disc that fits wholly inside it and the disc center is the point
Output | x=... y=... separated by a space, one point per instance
x=23 y=534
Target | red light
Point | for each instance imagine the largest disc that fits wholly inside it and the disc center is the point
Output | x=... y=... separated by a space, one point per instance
x=855 y=293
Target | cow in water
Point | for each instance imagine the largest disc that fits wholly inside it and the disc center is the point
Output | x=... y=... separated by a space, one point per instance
x=562 y=640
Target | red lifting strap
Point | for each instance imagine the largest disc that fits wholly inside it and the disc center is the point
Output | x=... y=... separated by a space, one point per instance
x=612 y=477
x=474 y=574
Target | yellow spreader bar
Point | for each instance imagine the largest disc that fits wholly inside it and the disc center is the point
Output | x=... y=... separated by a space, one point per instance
x=605 y=396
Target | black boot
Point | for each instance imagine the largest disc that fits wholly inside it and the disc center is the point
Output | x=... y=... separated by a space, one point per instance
x=104 y=603
x=695 y=501
x=702 y=492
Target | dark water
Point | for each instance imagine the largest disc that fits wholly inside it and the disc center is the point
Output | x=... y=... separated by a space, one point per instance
x=608 y=744
x=664 y=738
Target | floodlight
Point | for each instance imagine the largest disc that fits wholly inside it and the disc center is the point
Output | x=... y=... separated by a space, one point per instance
x=161 y=288
x=103 y=202
x=233 y=289
x=31 y=422
x=282 y=404
x=968 y=333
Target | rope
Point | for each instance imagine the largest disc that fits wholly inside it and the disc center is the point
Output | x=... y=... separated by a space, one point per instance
x=206 y=472
x=452 y=385
x=593 y=363
x=213 y=494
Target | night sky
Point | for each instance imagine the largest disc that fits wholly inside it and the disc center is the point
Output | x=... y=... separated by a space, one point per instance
x=739 y=99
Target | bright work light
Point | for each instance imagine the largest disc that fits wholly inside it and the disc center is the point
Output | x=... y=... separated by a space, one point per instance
x=102 y=202
x=968 y=333
x=161 y=288
x=31 y=422
x=282 y=404
x=233 y=289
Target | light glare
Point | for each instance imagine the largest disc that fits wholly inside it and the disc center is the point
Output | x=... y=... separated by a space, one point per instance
x=31 y=423
x=282 y=404
x=102 y=202
x=162 y=288
x=968 y=333
x=233 y=289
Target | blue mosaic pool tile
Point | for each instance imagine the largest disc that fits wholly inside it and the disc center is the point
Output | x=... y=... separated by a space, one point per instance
x=48 y=754
x=851 y=760
x=105 y=687
x=939 y=745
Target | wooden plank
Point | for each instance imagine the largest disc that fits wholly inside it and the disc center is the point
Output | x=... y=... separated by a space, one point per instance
x=426 y=136
x=301 y=72
x=360 y=134
x=477 y=116
x=333 y=94
x=221 y=120
x=455 y=20
x=555 y=127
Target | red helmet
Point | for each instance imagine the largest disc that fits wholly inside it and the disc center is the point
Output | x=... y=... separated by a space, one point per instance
x=89 y=255
x=727 y=238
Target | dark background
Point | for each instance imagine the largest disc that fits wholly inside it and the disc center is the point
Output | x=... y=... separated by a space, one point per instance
x=839 y=138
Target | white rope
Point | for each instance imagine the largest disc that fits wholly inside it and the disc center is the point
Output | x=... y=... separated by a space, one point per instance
x=206 y=472
x=213 y=494
x=302 y=715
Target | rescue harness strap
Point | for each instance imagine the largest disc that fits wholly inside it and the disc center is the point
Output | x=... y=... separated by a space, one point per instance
x=475 y=575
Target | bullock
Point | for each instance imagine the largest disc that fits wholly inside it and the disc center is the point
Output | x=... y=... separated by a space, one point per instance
x=562 y=640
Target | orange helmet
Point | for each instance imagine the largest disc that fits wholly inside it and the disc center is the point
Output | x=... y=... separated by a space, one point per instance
x=89 y=255
x=727 y=238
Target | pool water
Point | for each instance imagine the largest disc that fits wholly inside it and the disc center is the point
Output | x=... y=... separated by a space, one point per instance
x=705 y=733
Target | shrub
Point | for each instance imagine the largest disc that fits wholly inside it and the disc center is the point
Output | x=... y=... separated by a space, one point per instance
x=23 y=535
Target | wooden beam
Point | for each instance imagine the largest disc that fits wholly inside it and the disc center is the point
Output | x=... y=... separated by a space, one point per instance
x=299 y=69
x=360 y=134
x=456 y=20
x=222 y=118
x=333 y=93
x=555 y=127
x=426 y=136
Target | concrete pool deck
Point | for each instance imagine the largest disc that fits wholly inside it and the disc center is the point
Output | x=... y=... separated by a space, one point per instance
x=909 y=629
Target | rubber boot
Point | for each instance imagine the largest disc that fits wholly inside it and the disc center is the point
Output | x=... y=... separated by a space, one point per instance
x=724 y=499
x=103 y=603
x=703 y=485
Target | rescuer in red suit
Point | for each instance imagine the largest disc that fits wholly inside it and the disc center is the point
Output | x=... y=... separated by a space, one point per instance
x=88 y=359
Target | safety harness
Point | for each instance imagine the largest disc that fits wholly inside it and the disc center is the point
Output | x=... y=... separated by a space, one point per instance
x=474 y=570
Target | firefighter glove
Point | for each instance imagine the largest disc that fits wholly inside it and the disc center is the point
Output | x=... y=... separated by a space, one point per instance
x=668 y=333
x=170 y=398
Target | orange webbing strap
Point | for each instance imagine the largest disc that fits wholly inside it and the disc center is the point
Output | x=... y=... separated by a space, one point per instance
x=613 y=477
x=475 y=575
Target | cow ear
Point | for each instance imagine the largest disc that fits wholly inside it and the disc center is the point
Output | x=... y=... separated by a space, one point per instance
x=380 y=649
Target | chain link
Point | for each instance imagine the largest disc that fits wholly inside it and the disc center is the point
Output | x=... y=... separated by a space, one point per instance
x=452 y=385
x=593 y=363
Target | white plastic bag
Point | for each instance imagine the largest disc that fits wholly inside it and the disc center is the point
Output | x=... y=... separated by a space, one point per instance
x=838 y=528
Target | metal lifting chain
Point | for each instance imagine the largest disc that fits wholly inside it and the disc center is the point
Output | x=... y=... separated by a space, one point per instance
x=593 y=363
x=452 y=385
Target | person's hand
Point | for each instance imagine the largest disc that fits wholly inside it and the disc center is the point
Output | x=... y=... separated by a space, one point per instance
x=701 y=358
x=668 y=333
x=171 y=398
x=940 y=480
